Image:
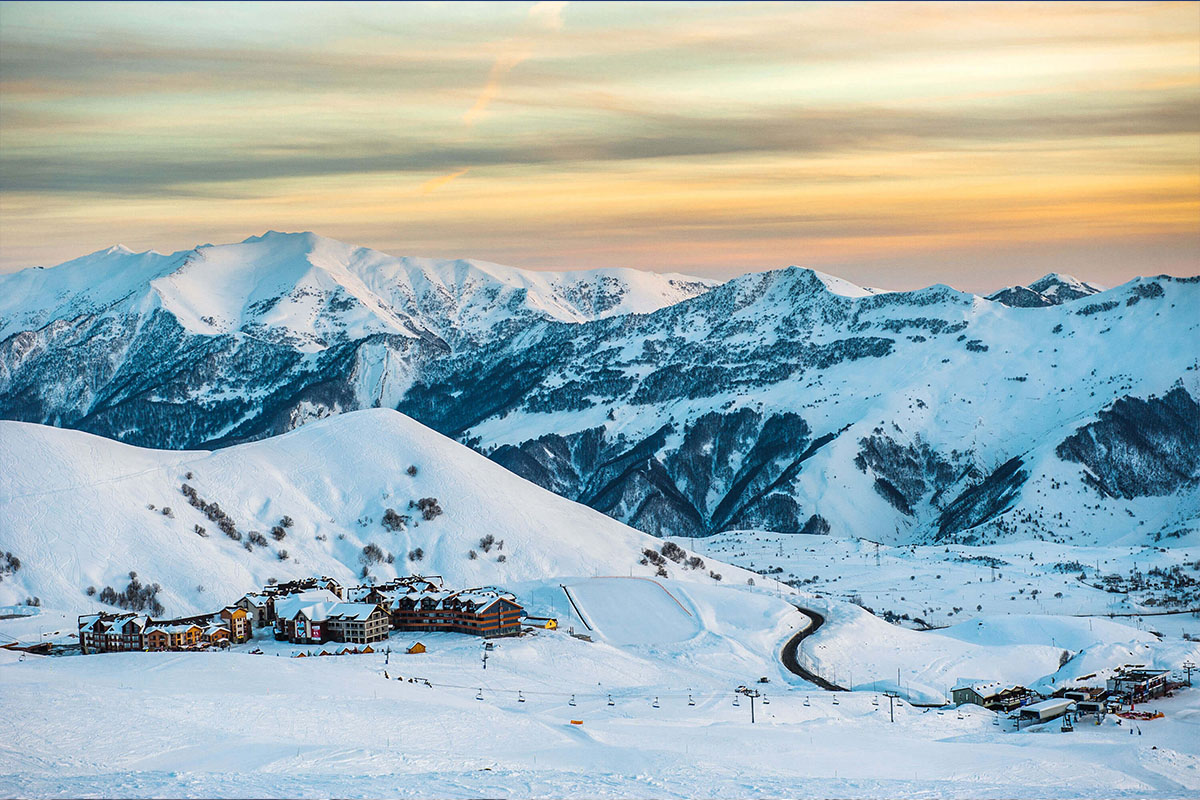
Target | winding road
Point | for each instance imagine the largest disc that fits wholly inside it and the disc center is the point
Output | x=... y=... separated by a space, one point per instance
x=788 y=656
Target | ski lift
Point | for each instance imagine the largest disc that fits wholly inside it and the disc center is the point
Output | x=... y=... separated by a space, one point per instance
x=875 y=700
x=520 y=697
x=610 y=701
x=479 y=695
x=835 y=700
x=806 y=703
x=571 y=702
x=691 y=702
x=655 y=703
x=736 y=704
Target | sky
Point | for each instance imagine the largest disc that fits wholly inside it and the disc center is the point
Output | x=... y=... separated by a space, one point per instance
x=893 y=144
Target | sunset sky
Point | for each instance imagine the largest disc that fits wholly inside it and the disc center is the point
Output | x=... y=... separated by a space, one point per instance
x=895 y=145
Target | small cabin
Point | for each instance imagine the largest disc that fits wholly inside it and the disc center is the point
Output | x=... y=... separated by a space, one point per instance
x=415 y=649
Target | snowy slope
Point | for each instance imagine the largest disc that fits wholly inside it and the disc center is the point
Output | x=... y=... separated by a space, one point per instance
x=266 y=334
x=74 y=510
x=773 y=402
x=787 y=400
x=307 y=286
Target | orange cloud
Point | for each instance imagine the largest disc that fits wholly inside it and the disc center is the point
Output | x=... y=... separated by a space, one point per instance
x=503 y=65
x=432 y=185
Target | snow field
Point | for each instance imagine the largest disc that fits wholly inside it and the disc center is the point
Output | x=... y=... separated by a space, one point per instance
x=74 y=508
x=239 y=725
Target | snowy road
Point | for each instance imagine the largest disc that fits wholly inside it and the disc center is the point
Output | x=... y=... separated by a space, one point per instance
x=789 y=653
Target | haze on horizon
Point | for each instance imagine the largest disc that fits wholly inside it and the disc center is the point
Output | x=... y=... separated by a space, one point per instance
x=895 y=145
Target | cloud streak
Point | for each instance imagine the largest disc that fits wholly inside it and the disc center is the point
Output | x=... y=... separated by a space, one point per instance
x=749 y=134
x=433 y=184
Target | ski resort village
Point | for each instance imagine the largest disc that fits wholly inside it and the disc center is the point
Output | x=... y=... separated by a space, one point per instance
x=361 y=526
x=314 y=611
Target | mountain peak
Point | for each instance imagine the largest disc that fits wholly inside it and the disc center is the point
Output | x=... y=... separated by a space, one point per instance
x=1062 y=287
x=1051 y=289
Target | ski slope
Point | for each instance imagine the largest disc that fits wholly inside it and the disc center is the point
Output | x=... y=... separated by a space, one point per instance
x=634 y=610
x=239 y=725
x=75 y=509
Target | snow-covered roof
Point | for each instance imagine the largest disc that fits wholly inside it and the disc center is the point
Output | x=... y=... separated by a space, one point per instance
x=320 y=610
x=1053 y=704
x=314 y=603
x=985 y=689
x=177 y=628
x=358 y=611
x=91 y=623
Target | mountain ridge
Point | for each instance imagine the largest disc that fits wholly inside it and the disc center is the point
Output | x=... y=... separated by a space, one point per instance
x=787 y=399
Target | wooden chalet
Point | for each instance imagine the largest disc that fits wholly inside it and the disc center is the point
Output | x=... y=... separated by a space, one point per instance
x=993 y=695
x=177 y=636
x=108 y=632
x=481 y=612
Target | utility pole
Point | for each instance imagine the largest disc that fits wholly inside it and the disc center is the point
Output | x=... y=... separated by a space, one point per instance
x=891 y=696
x=751 y=693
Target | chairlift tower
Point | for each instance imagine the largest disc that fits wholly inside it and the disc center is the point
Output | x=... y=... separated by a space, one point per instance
x=891 y=696
x=752 y=694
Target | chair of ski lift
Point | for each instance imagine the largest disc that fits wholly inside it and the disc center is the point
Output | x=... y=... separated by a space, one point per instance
x=836 y=701
x=766 y=702
x=736 y=704
x=691 y=702
x=655 y=703
x=479 y=695
x=571 y=702
x=806 y=701
x=610 y=701
x=520 y=697
x=875 y=700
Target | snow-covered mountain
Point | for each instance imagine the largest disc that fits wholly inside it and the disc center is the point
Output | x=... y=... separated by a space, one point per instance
x=1050 y=290
x=82 y=511
x=786 y=400
x=778 y=402
x=234 y=342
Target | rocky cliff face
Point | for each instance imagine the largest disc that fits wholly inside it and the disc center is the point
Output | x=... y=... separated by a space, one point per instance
x=786 y=400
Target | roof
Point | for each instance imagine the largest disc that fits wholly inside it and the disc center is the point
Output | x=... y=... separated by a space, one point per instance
x=314 y=604
x=291 y=607
x=988 y=689
x=172 y=628
x=1053 y=704
x=1138 y=674
x=358 y=611
x=108 y=621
